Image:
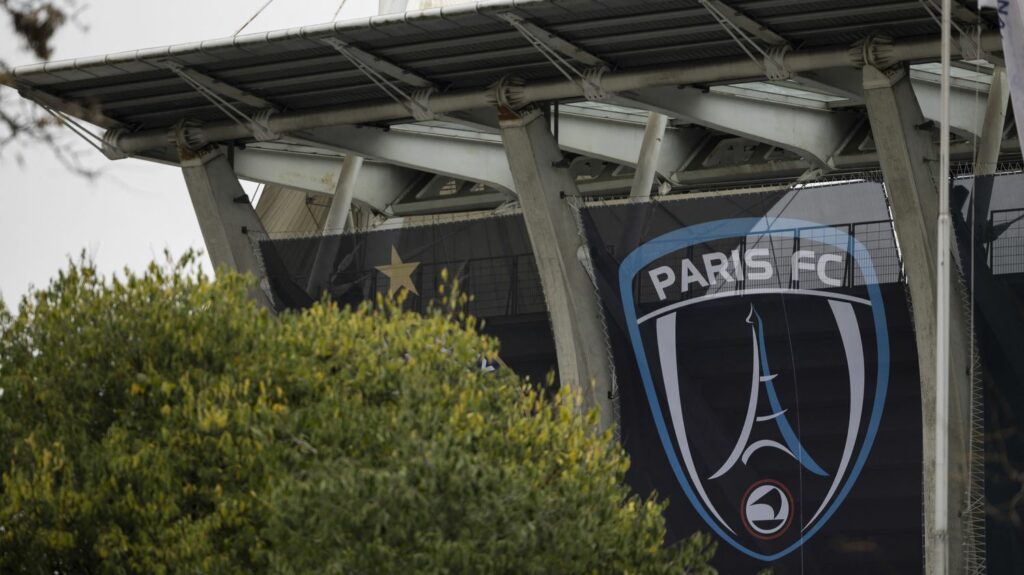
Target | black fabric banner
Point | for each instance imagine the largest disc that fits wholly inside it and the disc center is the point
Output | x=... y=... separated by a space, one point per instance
x=491 y=258
x=988 y=218
x=827 y=474
x=767 y=378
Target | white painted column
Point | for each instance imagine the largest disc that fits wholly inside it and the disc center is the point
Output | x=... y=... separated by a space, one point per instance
x=542 y=186
x=992 y=129
x=341 y=203
x=650 y=151
x=337 y=218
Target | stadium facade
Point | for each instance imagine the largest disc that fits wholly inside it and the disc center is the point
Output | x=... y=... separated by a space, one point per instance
x=718 y=218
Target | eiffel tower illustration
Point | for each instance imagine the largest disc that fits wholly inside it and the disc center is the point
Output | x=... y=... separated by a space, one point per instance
x=762 y=377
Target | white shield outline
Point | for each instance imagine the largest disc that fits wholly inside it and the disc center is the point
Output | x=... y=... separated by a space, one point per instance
x=739 y=228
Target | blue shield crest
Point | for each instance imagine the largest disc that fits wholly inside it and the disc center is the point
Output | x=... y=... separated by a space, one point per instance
x=750 y=423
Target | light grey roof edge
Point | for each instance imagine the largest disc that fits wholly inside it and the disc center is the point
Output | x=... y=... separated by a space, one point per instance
x=313 y=31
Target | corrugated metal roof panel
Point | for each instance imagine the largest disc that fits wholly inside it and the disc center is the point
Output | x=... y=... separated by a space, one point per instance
x=458 y=47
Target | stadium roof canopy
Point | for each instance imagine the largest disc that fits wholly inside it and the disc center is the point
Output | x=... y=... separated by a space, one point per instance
x=435 y=71
x=467 y=46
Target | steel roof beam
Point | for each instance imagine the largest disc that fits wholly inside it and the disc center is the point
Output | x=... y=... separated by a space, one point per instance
x=772 y=39
x=967 y=108
x=222 y=88
x=553 y=41
x=91 y=114
x=621 y=148
x=744 y=22
x=379 y=64
x=477 y=119
x=723 y=70
x=967 y=103
x=606 y=135
x=600 y=134
x=460 y=203
x=378 y=185
x=814 y=135
x=841 y=83
x=776 y=170
x=477 y=160
x=620 y=142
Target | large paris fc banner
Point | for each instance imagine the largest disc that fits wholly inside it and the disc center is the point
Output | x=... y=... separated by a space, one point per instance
x=767 y=379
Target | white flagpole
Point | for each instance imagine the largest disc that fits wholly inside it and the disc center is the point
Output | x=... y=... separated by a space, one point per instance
x=942 y=278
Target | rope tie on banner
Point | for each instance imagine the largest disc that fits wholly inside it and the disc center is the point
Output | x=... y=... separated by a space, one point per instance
x=418 y=102
x=257 y=240
x=772 y=61
x=975 y=501
x=588 y=79
x=257 y=124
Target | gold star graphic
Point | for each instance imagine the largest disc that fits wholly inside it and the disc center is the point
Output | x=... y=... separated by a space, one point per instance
x=400 y=273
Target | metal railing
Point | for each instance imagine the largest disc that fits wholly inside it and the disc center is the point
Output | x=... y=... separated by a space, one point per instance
x=1006 y=250
x=507 y=286
x=877 y=237
x=502 y=286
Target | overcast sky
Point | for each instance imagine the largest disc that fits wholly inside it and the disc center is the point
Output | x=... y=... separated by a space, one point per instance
x=135 y=209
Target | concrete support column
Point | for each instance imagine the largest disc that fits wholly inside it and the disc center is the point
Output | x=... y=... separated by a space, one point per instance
x=650 y=151
x=992 y=129
x=337 y=218
x=909 y=164
x=226 y=218
x=341 y=203
x=542 y=182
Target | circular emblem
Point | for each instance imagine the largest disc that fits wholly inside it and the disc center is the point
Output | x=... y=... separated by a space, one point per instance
x=767 y=509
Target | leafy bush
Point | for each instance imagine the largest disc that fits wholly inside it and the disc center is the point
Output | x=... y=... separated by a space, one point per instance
x=164 y=423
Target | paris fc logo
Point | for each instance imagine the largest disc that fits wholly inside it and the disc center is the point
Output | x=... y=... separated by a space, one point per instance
x=737 y=327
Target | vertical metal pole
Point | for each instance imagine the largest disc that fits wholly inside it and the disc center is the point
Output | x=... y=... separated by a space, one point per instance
x=556 y=112
x=942 y=311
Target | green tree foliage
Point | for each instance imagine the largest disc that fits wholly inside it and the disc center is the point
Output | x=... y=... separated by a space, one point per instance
x=164 y=423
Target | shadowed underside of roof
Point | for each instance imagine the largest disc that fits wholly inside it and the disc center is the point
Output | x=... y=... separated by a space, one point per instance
x=460 y=47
